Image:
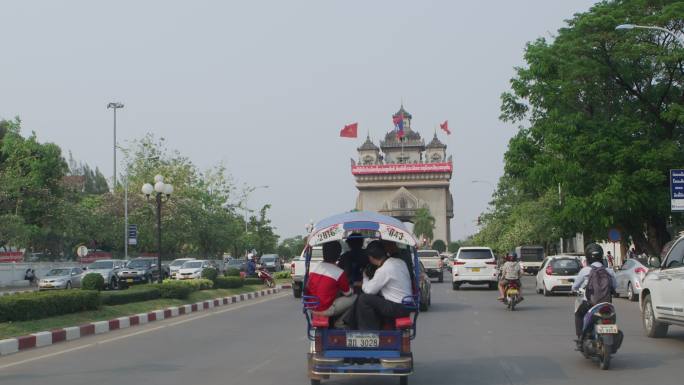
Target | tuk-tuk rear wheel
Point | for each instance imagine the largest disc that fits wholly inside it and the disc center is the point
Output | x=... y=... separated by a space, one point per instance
x=315 y=382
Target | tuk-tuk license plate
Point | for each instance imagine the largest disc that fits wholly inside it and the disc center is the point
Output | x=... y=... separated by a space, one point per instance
x=607 y=329
x=129 y=280
x=475 y=269
x=363 y=340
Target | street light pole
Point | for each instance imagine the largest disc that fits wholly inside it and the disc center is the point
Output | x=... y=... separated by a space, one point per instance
x=678 y=39
x=160 y=188
x=114 y=106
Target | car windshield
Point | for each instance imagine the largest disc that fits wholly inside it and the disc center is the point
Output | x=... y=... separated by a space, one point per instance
x=192 y=264
x=101 y=265
x=531 y=254
x=139 y=263
x=58 y=272
x=267 y=258
x=178 y=262
x=427 y=253
x=568 y=265
x=235 y=262
x=475 y=254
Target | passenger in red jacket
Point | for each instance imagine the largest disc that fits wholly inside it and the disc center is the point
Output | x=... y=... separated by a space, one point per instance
x=329 y=283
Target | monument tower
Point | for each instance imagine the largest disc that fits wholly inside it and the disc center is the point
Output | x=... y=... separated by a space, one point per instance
x=403 y=175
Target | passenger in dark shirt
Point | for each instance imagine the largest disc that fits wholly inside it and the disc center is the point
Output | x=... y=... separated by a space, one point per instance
x=354 y=261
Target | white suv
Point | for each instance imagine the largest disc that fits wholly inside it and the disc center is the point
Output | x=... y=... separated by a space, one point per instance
x=662 y=294
x=474 y=265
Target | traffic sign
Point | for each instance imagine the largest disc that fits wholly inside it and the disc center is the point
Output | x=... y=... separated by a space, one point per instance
x=614 y=235
x=133 y=235
x=82 y=251
x=677 y=190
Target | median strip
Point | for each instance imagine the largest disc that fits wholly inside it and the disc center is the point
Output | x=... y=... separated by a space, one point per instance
x=47 y=338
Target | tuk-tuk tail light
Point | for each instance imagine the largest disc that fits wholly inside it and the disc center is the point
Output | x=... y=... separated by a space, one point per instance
x=406 y=342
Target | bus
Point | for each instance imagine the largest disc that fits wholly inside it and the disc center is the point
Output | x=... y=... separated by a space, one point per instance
x=530 y=257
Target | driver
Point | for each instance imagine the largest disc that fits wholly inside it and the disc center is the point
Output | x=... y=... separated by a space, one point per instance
x=354 y=261
x=510 y=271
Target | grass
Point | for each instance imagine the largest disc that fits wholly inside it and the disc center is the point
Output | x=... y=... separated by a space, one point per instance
x=14 y=329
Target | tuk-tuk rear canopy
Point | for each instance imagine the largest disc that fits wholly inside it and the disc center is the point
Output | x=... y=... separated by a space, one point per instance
x=338 y=227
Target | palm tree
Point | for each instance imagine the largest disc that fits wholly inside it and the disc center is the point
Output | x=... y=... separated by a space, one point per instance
x=423 y=224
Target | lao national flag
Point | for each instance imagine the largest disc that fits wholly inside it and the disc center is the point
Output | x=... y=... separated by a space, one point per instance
x=445 y=127
x=399 y=125
x=349 y=131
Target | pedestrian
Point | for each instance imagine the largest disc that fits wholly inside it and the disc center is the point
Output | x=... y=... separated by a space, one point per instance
x=631 y=253
x=609 y=257
x=30 y=276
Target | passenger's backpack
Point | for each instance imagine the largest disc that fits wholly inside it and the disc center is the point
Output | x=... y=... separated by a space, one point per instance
x=599 y=286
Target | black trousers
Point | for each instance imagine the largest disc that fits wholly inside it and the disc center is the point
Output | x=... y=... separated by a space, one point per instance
x=371 y=310
x=579 y=317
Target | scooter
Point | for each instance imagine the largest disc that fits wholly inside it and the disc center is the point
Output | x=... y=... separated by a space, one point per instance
x=511 y=295
x=601 y=337
x=265 y=276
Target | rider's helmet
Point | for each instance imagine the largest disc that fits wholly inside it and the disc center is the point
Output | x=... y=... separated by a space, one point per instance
x=511 y=257
x=594 y=253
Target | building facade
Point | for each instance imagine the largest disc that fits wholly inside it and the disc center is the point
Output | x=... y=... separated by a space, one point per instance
x=402 y=175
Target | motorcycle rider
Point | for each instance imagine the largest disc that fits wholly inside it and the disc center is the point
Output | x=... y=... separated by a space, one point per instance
x=595 y=270
x=251 y=266
x=510 y=271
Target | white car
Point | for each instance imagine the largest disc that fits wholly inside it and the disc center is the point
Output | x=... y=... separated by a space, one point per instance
x=662 y=292
x=176 y=265
x=192 y=269
x=557 y=274
x=476 y=266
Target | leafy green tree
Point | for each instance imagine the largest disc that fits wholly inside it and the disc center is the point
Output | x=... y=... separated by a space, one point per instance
x=453 y=247
x=423 y=223
x=439 y=245
x=604 y=117
x=291 y=247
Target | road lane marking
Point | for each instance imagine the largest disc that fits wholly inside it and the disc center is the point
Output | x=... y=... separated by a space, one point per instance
x=53 y=354
x=257 y=367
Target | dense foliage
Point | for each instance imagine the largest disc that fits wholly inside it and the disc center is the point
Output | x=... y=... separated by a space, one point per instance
x=93 y=281
x=37 y=305
x=602 y=115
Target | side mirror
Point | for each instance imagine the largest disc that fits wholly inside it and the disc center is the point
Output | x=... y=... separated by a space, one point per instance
x=654 y=262
x=85 y=268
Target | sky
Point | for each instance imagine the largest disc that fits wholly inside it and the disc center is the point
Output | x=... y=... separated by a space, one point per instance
x=264 y=87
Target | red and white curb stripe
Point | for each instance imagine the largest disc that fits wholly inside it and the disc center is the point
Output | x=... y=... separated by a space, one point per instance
x=40 y=339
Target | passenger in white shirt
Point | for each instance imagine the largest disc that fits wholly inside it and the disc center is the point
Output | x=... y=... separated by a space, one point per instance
x=383 y=294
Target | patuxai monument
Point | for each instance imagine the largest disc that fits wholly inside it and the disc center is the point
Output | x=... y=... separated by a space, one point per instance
x=404 y=174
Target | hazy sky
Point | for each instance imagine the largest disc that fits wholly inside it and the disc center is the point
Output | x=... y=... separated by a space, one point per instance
x=265 y=86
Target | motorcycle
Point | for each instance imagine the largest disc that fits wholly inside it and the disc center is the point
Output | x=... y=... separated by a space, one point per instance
x=601 y=337
x=265 y=276
x=511 y=295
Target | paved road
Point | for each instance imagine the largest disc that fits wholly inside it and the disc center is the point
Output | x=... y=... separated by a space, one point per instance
x=466 y=338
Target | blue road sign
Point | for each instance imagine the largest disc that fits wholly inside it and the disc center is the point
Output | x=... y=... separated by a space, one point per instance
x=614 y=235
x=677 y=190
x=132 y=234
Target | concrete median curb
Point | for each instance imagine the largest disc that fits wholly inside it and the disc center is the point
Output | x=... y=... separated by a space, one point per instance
x=47 y=338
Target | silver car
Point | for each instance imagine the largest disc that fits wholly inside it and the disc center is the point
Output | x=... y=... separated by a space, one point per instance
x=107 y=268
x=630 y=276
x=64 y=278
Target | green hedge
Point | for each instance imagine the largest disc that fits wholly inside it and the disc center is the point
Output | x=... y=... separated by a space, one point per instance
x=210 y=273
x=229 y=282
x=232 y=272
x=93 y=281
x=37 y=305
x=136 y=294
x=178 y=289
x=252 y=281
x=282 y=275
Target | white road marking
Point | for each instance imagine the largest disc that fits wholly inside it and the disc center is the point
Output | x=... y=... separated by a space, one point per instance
x=259 y=366
x=232 y=308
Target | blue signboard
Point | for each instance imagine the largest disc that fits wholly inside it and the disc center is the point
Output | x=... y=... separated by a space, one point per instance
x=677 y=190
x=132 y=234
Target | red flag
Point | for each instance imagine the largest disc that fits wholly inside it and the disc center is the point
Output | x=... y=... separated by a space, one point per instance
x=349 y=131
x=445 y=126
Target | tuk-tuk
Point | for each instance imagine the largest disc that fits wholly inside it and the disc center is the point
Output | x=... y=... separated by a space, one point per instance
x=343 y=352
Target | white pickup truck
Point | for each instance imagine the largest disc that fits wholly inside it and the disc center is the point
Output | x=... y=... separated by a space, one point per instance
x=433 y=262
x=297 y=269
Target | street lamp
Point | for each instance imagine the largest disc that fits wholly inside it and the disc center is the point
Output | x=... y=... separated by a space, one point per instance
x=160 y=188
x=114 y=106
x=126 y=234
x=626 y=27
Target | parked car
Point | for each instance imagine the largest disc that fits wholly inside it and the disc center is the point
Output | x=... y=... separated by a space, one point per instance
x=425 y=289
x=271 y=262
x=192 y=269
x=557 y=274
x=107 y=268
x=141 y=270
x=63 y=278
x=476 y=266
x=662 y=292
x=239 y=264
x=629 y=277
x=176 y=264
x=433 y=263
